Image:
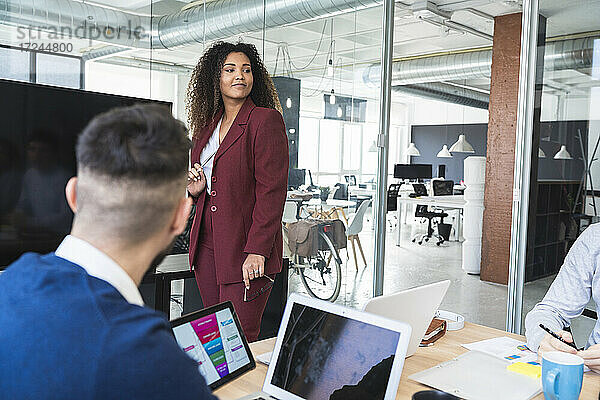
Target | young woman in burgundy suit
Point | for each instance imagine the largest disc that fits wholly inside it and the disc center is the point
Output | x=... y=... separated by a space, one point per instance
x=238 y=180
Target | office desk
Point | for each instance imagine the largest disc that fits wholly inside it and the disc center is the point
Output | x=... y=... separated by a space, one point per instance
x=426 y=357
x=358 y=191
x=446 y=202
x=172 y=268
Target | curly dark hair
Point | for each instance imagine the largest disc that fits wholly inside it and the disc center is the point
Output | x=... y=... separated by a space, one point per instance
x=204 y=95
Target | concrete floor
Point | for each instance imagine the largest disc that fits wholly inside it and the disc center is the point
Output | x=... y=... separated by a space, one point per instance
x=411 y=265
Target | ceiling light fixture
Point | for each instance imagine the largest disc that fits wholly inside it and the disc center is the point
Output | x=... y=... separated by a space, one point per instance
x=444 y=153
x=412 y=150
x=462 y=146
x=563 y=154
x=541 y=153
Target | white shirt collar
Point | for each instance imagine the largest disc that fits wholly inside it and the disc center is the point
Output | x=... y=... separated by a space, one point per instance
x=99 y=265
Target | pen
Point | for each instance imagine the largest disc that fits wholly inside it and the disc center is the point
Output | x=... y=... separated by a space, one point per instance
x=206 y=161
x=555 y=335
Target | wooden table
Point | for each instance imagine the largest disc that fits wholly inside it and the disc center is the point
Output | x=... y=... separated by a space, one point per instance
x=426 y=357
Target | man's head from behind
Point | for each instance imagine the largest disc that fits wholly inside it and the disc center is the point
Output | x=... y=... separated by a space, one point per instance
x=132 y=169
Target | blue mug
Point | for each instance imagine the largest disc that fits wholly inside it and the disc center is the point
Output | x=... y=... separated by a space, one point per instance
x=562 y=375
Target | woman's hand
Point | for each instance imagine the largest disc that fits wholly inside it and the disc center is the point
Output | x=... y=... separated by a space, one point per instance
x=253 y=267
x=196 y=180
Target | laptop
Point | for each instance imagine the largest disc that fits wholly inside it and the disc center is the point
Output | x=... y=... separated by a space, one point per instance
x=327 y=351
x=213 y=337
x=415 y=306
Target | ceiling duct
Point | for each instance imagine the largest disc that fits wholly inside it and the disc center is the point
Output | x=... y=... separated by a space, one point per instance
x=476 y=64
x=215 y=20
x=75 y=19
x=445 y=92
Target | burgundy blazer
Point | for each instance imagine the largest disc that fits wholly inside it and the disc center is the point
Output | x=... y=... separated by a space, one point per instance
x=249 y=187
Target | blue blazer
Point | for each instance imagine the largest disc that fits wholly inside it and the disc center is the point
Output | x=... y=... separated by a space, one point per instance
x=67 y=335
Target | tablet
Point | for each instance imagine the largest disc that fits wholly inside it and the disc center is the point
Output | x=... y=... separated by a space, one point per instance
x=213 y=337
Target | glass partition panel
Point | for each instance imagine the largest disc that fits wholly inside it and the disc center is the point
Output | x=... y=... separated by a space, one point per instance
x=564 y=203
x=439 y=92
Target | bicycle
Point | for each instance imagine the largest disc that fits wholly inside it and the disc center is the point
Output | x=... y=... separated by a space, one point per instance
x=320 y=274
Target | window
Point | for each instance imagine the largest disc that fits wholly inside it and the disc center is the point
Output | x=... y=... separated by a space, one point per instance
x=308 y=144
x=329 y=147
x=352 y=147
x=58 y=70
x=14 y=64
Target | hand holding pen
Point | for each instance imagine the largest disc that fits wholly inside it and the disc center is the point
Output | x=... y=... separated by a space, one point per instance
x=561 y=341
x=196 y=180
x=196 y=177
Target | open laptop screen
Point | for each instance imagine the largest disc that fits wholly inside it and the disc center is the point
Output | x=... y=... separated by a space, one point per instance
x=328 y=356
x=213 y=338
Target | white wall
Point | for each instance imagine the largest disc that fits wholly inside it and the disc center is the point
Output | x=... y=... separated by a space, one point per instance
x=431 y=112
x=130 y=81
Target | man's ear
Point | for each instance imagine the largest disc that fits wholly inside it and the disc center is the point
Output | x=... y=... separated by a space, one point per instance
x=181 y=215
x=71 y=193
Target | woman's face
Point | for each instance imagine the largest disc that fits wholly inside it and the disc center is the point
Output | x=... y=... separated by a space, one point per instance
x=236 y=77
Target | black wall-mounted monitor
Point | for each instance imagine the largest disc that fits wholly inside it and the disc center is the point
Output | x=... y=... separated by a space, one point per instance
x=40 y=126
x=413 y=171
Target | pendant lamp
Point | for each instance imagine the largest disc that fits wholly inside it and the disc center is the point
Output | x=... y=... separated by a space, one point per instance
x=444 y=153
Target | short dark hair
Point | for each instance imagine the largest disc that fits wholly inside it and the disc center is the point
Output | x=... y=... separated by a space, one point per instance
x=132 y=170
x=142 y=142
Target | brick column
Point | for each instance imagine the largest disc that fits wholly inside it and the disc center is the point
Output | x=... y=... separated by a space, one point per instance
x=501 y=139
x=500 y=163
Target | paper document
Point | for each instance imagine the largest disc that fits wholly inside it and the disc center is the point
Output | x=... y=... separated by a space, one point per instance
x=505 y=348
x=479 y=376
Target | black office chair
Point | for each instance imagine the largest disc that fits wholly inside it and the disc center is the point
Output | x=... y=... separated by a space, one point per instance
x=342 y=192
x=442 y=187
x=423 y=212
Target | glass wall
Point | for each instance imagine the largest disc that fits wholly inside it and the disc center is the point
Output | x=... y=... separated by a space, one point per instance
x=440 y=92
x=327 y=65
x=564 y=200
x=334 y=113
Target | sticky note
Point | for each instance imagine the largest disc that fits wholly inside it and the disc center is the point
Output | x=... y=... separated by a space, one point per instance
x=532 y=371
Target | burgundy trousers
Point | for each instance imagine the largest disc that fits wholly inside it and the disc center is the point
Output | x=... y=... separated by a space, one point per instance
x=250 y=313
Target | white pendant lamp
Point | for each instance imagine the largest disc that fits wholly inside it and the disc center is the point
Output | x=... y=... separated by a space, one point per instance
x=373 y=148
x=444 y=153
x=462 y=146
x=563 y=154
x=330 y=67
x=541 y=153
x=412 y=150
x=332 y=97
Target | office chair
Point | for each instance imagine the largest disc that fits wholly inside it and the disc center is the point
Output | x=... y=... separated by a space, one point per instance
x=342 y=191
x=423 y=212
x=355 y=226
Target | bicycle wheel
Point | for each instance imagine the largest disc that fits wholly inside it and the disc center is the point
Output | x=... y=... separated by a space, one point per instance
x=321 y=275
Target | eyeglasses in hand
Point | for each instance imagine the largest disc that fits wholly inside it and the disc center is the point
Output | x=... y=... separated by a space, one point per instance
x=252 y=295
